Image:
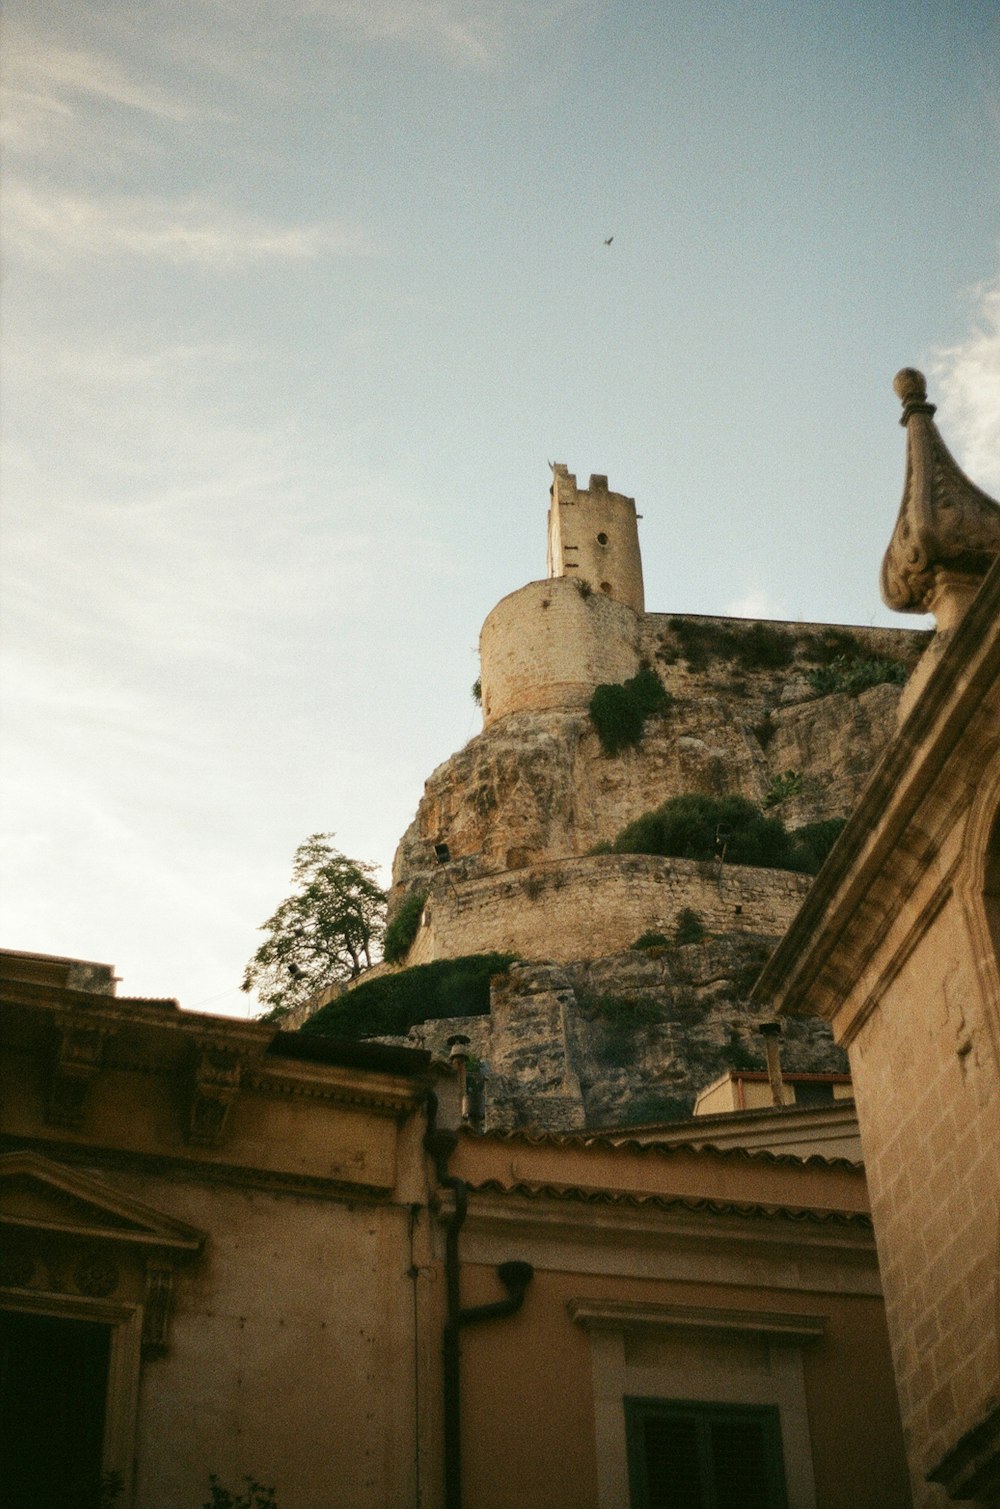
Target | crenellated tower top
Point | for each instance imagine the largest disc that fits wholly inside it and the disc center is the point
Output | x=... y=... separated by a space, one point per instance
x=594 y=538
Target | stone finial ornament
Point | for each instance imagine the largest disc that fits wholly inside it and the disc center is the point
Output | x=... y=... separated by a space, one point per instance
x=948 y=530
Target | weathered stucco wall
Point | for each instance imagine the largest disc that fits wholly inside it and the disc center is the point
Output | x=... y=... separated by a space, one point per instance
x=291 y=1353
x=599 y=904
x=638 y=1299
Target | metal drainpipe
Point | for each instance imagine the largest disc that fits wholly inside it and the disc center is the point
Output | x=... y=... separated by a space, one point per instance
x=515 y=1277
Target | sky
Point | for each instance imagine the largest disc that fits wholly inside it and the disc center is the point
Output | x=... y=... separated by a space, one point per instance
x=302 y=297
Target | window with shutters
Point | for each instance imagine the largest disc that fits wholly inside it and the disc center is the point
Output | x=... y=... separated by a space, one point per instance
x=704 y=1456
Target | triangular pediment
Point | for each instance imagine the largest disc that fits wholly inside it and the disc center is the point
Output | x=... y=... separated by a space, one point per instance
x=40 y=1195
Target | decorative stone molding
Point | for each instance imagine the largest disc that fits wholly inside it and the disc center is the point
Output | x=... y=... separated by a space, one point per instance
x=948 y=530
x=78 y=1060
x=216 y=1085
x=111 y=1249
x=157 y=1307
x=623 y=1315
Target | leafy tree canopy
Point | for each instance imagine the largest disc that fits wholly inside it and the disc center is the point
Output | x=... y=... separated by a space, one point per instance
x=327 y=930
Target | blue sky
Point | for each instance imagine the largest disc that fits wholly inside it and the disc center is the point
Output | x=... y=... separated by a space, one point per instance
x=300 y=300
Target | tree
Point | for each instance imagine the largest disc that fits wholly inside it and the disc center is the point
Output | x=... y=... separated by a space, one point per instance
x=325 y=931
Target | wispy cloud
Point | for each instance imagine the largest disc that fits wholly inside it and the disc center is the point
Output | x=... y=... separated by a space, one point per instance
x=52 y=76
x=754 y=603
x=53 y=225
x=62 y=101
x=966 y=382
x=468 y=31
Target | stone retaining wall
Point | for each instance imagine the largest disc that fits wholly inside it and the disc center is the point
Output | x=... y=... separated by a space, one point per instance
x=599 y=904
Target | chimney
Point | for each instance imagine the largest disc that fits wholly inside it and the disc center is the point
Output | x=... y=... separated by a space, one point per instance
x=771 y=1033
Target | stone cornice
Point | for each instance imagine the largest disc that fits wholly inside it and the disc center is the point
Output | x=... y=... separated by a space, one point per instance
x=185 y=1169
x=631 y=1315
x=840 y=923
x=946 y=525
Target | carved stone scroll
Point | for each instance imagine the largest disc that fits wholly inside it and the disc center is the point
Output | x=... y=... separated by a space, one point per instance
x=78 y=1060
x=156 y=1308
x=216 y=1085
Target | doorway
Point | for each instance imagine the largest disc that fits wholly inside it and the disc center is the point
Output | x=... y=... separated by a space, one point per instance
x=53 y=1391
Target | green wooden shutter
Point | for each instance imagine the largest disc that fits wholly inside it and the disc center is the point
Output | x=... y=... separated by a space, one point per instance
x=689 y=1455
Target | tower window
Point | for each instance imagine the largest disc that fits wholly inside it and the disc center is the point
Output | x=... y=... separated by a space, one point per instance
x=602 y=538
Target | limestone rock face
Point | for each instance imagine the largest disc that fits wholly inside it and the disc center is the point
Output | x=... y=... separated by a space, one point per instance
x=537 y=786
x=627 y=1038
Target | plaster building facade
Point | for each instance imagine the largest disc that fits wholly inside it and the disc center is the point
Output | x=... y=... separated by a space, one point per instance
x=207 y=1230
x=230 y=1249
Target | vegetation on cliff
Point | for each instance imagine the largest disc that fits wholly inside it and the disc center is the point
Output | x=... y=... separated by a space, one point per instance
x=832 y=660
x=390 y=1005
x=403 y=928
x=619 y=709
x=728 y=828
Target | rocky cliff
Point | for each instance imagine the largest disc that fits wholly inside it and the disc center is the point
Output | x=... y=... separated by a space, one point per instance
x=748 y=704
x=624 y=1039
x=597 y=1025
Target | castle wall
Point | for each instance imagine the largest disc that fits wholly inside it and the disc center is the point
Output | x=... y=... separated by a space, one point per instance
x=549 y=644
x=599 y=904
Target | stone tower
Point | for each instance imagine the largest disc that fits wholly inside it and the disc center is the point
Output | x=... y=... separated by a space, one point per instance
x=593 y=537
x=550 y=643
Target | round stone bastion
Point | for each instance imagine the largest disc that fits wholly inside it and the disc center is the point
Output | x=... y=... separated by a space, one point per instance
x=549 y=644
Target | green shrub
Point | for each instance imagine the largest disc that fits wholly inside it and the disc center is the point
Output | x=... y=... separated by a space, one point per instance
x=477 y=691
x=700 y=642
x=689 y=927
x=619 y=709
x=813 y=842
x=854 y=674
x=829 y=645
x=699 y=827
x=651 y=940
x=390 y=1005
x=782 y=787
x=729 y=827
x=752 y=646
x=762 y=648
x=403 y=928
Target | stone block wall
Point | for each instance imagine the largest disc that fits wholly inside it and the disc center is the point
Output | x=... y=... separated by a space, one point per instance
x=599 y=904
x=929 y=1107
x=550 y=644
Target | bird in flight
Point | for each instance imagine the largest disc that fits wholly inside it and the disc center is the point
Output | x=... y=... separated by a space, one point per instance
x=609 y=240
